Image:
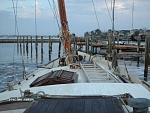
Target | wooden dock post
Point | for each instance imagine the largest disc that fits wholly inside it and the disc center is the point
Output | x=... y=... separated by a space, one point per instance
x=110 y=46
x=87 y=42
x=138 y=50
x=41 y=49
x=31 y=46
x=27 y=46
x=23 y=45
x=20 y=46
x=50 y=48
x=146 y=58
x=118 y=37
x=91 y=42
x=17 y=44
x=36 y=44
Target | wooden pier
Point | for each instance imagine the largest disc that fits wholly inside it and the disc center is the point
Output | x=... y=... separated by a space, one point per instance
x=124 y=48
x=39 y=40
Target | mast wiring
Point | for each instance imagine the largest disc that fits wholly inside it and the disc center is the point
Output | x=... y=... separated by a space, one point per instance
x=15 y=13
x=108 y=12
x=17 y=32
x=111 y=4
x=95 y=13
x=55 y=13
x=132 y=14
x=14 y=43
x=35 y=19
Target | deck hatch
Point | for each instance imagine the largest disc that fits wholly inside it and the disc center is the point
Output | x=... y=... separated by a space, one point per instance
x=55 y=77
x=77 y=105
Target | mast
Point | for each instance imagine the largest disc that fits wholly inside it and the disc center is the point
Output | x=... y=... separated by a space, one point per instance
x=64 y=26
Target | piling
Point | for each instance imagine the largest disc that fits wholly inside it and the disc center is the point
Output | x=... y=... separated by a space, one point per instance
x=138 y=50
x=27 y=46
x=76 y=43
x=146 y=58
x=23 y=45
x=118 y=37
x=91 y=45
x=17 y=44
x=20 y=46
x=31 y=46
x=110 y=46
x=50 y=48
x=36 y=47
x=87 y=43
x=41 y=48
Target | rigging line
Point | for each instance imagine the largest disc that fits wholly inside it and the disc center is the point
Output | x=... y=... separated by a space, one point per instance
x=14 y=42
x=16 y=29
x=132 y=14
x=108 y=11
x=14 y=14
x=95 y=14
x=54 y=13
x=113 y=16
x=111 y=4
x=16 y=17
x=35 y=19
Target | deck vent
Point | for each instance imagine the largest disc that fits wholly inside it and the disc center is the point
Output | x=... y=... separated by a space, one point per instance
x=140 y=105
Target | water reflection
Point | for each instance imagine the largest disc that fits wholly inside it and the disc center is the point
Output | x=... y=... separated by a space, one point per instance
x=32 y=58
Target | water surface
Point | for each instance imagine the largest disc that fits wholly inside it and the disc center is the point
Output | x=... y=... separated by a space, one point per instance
x=13 y=56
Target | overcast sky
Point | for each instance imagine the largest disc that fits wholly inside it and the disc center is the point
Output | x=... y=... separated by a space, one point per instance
x=80 y=14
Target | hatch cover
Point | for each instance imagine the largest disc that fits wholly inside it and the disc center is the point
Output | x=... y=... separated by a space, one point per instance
x=55 y=77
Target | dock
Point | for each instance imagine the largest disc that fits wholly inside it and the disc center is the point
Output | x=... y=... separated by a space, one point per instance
x=28 y=40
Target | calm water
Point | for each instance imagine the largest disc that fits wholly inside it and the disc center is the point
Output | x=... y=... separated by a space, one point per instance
x=11 y=59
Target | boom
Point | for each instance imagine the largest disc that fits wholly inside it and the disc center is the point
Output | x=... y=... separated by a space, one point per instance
x=64 y=26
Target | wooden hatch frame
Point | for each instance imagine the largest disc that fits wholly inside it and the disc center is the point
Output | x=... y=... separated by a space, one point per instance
x=55 y=77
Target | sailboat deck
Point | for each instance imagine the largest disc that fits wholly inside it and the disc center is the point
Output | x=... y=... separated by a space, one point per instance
x=77 y=105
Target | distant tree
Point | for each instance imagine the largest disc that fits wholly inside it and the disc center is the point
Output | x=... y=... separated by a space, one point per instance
x=109 y=31
x=137 y=32
x=92 y=33
x=98 y=32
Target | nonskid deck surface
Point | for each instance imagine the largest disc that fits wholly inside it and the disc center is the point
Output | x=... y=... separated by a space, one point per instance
x=14 y=105
x=77 y=105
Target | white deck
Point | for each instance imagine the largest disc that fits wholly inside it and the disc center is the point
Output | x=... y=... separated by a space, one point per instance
x=85 y=89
